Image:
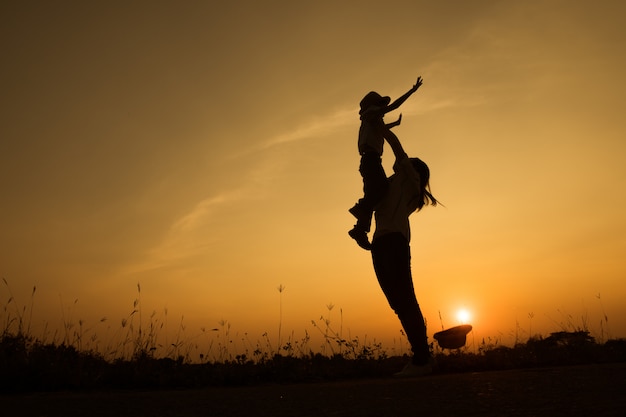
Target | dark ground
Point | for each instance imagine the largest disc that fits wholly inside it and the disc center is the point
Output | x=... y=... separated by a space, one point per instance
x=586 y=390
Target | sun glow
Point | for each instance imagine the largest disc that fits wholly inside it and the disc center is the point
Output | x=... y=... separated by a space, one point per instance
x=463 y=316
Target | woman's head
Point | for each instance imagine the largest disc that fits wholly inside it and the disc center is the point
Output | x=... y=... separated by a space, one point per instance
x=423 y=171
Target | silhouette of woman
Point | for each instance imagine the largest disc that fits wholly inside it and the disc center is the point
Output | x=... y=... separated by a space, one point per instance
x=408 y=191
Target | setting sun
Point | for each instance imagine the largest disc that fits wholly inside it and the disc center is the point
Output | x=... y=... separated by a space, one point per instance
x=463 y=316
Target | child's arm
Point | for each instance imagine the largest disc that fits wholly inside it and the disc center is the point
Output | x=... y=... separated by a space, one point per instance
x=403 y=98
x=394 y=124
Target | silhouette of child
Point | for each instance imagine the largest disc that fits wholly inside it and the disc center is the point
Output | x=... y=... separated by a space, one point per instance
x=372 y=133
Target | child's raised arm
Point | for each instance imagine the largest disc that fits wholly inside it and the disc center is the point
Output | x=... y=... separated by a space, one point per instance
x=406 y=95
x=394 y=124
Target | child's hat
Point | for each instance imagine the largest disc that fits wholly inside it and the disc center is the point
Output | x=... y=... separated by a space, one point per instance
x=374 y=99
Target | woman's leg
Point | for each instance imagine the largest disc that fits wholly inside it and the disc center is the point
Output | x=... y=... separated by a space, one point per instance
x=391 y=256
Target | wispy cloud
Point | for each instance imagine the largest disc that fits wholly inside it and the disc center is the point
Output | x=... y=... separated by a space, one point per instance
x=307 y=130
x=194 y=217
x=187 y=236
x=349 y=117
x=314 y=128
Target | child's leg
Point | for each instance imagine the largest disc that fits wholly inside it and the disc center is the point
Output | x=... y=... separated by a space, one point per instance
x=375 y=186
x=374 y=189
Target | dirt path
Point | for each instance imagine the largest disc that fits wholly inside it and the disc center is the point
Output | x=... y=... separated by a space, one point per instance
x=563 y=391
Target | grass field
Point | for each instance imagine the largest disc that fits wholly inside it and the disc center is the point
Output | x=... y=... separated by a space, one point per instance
x=134 y=356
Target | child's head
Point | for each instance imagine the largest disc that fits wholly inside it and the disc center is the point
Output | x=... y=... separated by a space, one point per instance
x=373 y=99
x=423 y=171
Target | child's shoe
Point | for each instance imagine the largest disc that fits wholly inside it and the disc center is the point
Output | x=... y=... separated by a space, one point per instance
x=358 y=211
x=360 y=236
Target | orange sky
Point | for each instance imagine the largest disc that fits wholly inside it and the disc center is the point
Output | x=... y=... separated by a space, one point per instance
x=208 y=151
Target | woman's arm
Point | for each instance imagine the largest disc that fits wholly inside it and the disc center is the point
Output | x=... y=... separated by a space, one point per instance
x=395 y=144
x=403 y=167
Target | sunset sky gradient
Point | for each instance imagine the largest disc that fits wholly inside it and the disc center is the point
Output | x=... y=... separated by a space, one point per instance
x=207 y=150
